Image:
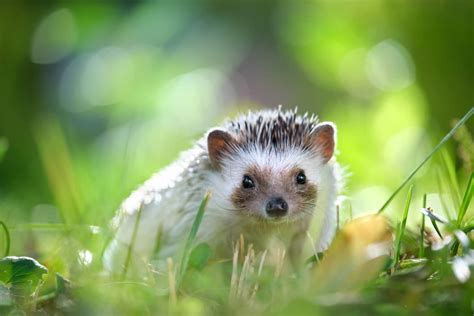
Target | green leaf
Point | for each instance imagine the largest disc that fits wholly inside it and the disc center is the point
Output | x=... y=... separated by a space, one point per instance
x=22 y=274
x=200 y=256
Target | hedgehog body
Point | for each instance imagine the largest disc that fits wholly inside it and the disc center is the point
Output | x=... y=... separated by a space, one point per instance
x=270 y=173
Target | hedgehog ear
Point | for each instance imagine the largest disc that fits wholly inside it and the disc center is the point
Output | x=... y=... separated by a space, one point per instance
x=219 y=142
x=323 y=140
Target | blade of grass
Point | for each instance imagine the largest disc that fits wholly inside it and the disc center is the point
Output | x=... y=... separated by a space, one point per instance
x=132 y=242
x=191 y=237
x=436 y=228
x=421 y=253
x=467 y=229
x=259 y=273
x=60 y=170
x=7 y=238
x=403 y=224
x=440 y=181
x=171 y=283
x=435 y=149
x=451 y=175
x=235 y=273
x=466 y=200
x=55 y=227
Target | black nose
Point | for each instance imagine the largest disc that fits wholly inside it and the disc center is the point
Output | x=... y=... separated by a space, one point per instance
x=276 y=207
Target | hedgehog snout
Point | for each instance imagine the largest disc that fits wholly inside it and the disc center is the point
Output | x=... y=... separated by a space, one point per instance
x=276 y=207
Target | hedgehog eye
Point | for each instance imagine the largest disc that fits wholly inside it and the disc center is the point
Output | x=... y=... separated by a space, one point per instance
x=301 y=178
x=247 y=182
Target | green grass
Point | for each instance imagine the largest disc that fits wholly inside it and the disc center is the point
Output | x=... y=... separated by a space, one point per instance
x=7 y=238
x=192 y=236
x=402 y=226
x=421 y=252
x=366 y=271
x=466 y=201
x=128 y=258
x=463 y=120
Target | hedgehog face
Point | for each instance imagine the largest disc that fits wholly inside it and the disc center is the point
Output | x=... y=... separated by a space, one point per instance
x=274 y=193
x=271 y=166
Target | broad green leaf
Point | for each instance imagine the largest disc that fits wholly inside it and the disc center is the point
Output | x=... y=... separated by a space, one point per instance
x=21 y=274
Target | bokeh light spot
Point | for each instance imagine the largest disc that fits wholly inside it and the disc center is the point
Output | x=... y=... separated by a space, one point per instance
x=353 y=76
x=389 y=66
x=199 y=91
x=54 y=38
x=106 y=76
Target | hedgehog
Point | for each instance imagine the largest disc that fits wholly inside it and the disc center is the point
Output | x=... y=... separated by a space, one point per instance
x=271 y=173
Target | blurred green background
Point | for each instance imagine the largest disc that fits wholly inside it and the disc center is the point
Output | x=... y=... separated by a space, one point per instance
x=95 y=97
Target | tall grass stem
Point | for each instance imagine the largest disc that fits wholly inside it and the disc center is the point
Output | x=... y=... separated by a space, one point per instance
x=421 y=253
x=403 y=224
x=435 y=149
